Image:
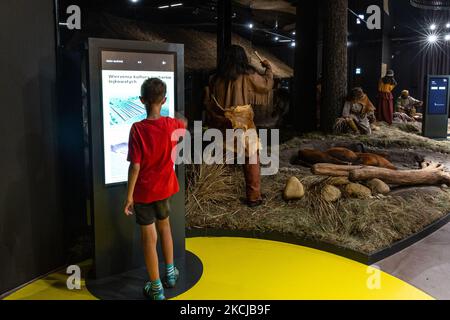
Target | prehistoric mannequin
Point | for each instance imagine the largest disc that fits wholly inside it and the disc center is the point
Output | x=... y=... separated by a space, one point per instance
x=236 y=87
x=386 y=85
x=407 y=104
x=357 y=115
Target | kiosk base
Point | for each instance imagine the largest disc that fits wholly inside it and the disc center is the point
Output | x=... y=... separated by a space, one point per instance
x=129 y=285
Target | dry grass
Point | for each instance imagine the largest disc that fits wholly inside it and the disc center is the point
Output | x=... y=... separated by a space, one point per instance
x=209 y=186
x=386 y=137
x=363 y=225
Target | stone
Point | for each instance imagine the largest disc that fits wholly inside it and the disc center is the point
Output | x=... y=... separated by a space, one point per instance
x=331 y=193
x=338 y=181
x=294 y=189
x=356 y=190
x=378 y=187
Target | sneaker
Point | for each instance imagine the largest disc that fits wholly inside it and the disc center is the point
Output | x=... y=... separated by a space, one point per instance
x=170 y=282
x=153 y=295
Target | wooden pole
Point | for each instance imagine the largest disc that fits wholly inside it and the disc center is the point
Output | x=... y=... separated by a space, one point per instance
x=223 y=27
x=304 y=111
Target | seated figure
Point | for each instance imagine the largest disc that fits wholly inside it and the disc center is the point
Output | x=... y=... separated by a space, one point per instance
x=407 y=104
x=358 y=114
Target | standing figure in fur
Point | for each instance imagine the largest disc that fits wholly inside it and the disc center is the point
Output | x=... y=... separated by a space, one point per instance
x=232 y=91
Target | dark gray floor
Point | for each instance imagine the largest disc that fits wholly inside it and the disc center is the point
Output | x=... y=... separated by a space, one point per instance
x=425 y=265
x=129 y=285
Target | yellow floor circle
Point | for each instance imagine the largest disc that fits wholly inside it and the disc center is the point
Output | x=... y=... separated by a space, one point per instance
x=239 y=268
x=247 y=269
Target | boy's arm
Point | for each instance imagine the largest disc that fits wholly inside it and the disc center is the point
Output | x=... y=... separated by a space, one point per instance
x=133 y=173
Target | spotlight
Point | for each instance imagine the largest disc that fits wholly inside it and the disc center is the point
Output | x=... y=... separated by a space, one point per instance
x=447 y=37
x=432 y=38
x=293 y=44
x=250 y=25
x=276 y=38
x=433 y=26
x=134 y=1
x=360 y=19
x=294 y=33
x=447 y=25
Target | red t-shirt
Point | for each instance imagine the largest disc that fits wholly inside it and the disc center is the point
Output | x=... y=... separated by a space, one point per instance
x=151 y=146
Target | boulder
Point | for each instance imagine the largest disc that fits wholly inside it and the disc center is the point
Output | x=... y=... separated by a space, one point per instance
x=378 y=187
x=338 y=181
x=294 y=189
x=356 y=190
x=331 y=193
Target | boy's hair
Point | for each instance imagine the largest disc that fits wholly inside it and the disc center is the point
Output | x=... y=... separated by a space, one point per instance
x=153 y=90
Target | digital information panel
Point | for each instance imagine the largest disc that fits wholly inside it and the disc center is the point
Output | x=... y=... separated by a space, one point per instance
x=435 y=123
x=122 y=76
x=438 y=96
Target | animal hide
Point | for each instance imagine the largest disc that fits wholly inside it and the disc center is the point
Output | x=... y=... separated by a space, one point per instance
x=344 y=156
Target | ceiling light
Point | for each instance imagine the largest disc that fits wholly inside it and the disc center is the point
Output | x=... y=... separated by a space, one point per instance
x=433 y=26
x=432 y=38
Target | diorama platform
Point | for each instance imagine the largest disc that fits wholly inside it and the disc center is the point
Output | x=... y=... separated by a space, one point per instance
x=363 y=229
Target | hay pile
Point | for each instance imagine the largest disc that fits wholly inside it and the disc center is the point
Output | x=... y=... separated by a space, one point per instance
x=399 y=136
x=364 y=225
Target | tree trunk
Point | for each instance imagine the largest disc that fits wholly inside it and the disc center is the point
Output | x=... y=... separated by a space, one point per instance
x=334 y=85
x=304 y=111
x=430 y=174
x=223 y=28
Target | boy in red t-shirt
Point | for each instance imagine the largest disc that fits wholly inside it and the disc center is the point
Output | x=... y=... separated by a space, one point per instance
x=151 y=182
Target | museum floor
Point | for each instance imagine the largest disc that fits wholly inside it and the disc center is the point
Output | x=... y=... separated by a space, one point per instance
x=238 y=268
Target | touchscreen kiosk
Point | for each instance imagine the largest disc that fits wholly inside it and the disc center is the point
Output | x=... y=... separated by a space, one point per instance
x=435 y=123
x=116 y=71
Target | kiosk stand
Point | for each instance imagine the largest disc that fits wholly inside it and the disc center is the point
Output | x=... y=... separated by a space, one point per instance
x=116 y=72
x=435 y=122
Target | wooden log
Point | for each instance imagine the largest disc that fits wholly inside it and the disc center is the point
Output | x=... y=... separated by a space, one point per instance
x=333 y=170
x=431 y=174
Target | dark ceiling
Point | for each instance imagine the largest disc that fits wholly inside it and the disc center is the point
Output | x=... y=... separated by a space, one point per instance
x=270 y=18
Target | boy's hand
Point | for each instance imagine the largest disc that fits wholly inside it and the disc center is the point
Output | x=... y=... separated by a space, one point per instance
x=128 y=207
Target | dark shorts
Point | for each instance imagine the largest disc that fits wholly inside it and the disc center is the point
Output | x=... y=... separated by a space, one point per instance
x=148 y=213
